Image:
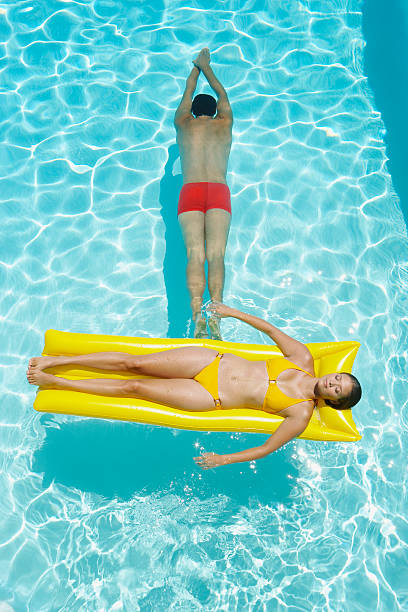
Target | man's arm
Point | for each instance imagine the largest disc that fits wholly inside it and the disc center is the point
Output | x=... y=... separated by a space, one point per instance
x=184 y=108
x=223 y=106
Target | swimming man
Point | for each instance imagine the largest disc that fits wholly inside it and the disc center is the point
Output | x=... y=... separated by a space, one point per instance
x=204 y=129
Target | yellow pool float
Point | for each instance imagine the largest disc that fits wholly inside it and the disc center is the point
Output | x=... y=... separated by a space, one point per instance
x=325 y=424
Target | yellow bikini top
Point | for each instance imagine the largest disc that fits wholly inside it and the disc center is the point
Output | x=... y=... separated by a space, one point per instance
x=275 y=400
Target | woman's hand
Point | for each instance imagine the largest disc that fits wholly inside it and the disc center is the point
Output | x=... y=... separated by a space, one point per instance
x=220 y=310
x=209 y=460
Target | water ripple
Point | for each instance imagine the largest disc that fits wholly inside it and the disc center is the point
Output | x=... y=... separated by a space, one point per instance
x=90 y=519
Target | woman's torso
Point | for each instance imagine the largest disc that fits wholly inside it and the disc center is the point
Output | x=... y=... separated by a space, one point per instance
x=246 y=383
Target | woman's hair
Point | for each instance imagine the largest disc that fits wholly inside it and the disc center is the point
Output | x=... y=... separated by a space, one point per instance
x=351 y=400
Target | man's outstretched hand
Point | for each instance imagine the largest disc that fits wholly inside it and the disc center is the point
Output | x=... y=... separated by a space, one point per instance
x=202 y=59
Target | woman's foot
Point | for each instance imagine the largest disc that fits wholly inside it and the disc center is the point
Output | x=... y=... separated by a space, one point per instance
x=42 y=363
x=36 y=376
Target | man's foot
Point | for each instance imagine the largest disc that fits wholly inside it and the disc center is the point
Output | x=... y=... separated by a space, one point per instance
x=42 y=363
x=40 y=378
x=200 y=330
x=214 y=325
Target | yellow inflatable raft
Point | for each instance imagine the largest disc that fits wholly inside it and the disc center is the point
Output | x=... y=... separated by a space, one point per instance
x=326 y=423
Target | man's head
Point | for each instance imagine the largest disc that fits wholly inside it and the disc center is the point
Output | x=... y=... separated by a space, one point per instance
x=203 y=104
x=339 y=390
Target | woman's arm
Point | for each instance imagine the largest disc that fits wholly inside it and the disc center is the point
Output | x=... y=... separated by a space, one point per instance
x=289 y=429
x=292 y=349
x=184 y=108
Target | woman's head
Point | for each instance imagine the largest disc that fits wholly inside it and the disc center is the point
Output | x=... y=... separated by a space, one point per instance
x=203 y=104
x=340 y=390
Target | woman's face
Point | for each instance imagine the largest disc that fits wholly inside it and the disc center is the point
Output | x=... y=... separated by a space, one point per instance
x=334 y=386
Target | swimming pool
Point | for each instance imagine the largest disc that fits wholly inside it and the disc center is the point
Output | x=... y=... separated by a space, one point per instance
x=97 y=515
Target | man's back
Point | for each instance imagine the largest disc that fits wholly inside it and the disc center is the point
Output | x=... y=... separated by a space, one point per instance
x=204 y=130
x=204 y=144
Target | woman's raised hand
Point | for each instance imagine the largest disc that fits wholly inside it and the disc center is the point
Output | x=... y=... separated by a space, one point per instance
x=218 y=309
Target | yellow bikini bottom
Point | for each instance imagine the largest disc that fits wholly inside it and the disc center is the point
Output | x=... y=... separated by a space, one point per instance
x=208 y=378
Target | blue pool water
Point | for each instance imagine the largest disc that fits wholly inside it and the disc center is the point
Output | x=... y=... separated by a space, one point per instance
x=385 y=29
x=107 y=516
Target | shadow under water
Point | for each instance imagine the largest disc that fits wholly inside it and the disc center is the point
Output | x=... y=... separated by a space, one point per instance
x=175 y=259
x=120 y=460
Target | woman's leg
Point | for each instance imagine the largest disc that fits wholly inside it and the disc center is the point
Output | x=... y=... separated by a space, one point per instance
x=113 y=361
x=177 y=393
x=174 y=363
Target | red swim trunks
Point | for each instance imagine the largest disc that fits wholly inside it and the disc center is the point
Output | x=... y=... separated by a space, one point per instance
x=204 y=196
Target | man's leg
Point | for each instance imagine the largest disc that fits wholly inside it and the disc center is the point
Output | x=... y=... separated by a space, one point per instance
x=217 y=224
x=192 y=227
